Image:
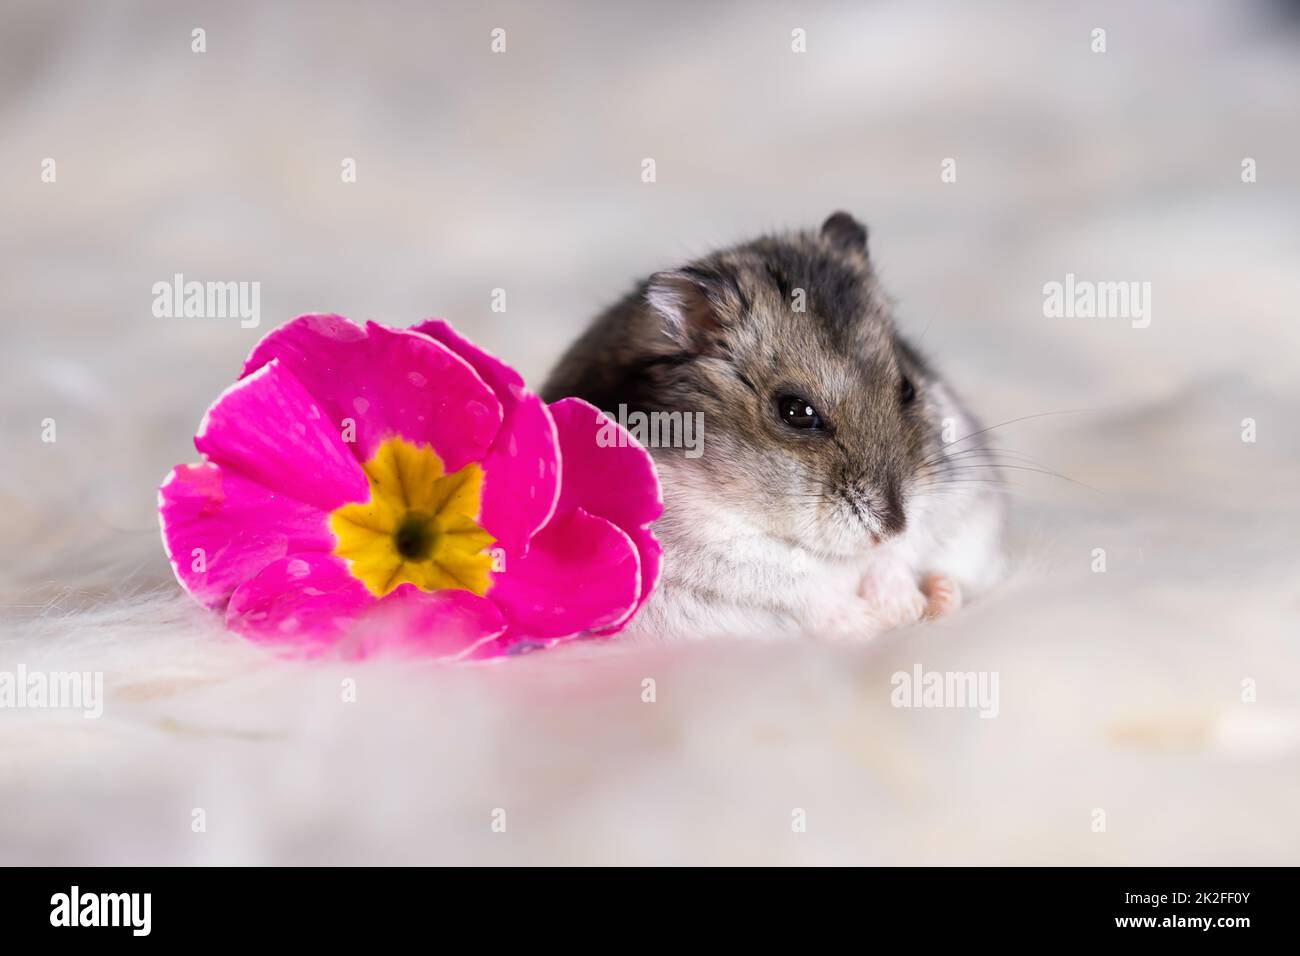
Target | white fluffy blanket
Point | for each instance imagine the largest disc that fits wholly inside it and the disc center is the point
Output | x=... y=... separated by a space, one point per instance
x=1119 y=692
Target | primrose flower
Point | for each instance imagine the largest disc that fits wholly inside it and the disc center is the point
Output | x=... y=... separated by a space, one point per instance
x=375 y=488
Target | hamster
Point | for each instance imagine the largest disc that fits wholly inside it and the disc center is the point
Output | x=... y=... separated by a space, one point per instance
x=842 y=489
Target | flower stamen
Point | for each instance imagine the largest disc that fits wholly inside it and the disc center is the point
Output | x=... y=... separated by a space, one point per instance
x=415 y=537
x=420 y=525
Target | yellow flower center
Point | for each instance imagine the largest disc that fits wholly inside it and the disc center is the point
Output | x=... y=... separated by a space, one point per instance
x=419 y=526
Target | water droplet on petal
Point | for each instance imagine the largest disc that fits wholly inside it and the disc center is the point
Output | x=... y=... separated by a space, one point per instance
x=362 y=405
x=418 y=380
x=298 y=568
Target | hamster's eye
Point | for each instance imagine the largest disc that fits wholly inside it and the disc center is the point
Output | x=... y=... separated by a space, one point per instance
x=907 y=391
x=798 y=412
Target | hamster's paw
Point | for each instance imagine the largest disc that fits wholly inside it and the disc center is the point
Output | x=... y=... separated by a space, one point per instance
x=942 y=595
x=854 y=622
x=894 y=600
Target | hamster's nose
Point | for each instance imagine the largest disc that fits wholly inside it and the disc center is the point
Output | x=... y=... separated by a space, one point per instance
x=887 y=508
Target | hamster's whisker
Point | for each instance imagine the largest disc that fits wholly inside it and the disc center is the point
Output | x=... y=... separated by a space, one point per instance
x=967 y=481
x=975 y=494
x=970 y=458
x=1012 y=421
x=970 y=466
x=951 y=477
x=992 y=458
x=992 y=452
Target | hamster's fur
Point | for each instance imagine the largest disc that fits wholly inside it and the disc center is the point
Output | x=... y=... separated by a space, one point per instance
x=843 y=488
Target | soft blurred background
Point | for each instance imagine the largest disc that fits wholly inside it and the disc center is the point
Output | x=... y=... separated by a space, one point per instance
x=521 y=170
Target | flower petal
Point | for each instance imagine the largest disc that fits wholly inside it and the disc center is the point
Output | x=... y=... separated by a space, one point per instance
x=305 y=603
x=608 y=473
x=309 y=605
x=581 y=573
x=523 y=465
x=268 y=429
x=387 y=382
x=651 y=555
x=220 y=529
x=441 y=624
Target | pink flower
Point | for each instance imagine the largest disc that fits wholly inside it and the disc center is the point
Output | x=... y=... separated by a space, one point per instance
x=367 y=488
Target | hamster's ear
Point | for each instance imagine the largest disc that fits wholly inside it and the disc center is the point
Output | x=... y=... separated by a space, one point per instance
x=845 y=233
x=683 y=305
